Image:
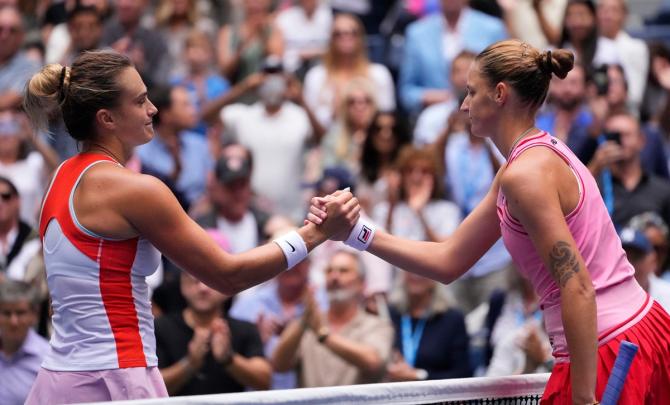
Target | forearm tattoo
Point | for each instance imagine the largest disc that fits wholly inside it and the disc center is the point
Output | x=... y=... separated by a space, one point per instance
x=563 y=263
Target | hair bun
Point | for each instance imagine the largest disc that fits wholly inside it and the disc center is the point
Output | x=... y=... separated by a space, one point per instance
x=558 y=62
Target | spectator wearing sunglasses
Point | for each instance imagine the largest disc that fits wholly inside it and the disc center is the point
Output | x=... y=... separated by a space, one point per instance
x=345 y=60
x=19 y=244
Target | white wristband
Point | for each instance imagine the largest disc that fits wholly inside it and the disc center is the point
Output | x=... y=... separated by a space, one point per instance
x=294 y=248
x=361 y=235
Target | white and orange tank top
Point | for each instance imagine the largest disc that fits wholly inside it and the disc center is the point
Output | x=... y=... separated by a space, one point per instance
x=619 y=298
x=101 y=306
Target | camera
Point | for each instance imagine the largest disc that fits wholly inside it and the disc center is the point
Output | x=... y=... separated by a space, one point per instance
x=601 y=80
x=613 y=136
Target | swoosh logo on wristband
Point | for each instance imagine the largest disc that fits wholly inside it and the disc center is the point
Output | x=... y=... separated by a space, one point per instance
x=289 y=243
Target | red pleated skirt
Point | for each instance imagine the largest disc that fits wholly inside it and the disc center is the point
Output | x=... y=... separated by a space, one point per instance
x=648 y=380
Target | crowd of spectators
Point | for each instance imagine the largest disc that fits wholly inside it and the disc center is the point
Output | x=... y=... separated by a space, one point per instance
x=266 y=103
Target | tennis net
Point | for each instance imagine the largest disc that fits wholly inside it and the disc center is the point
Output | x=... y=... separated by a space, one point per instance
x=513 y=390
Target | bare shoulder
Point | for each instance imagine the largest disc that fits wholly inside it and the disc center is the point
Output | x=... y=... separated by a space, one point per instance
x=117 y=181
x=535 y=169
x=123 y=190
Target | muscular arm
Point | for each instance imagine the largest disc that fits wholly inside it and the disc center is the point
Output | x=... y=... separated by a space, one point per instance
x=540 y=203
x=117 y=203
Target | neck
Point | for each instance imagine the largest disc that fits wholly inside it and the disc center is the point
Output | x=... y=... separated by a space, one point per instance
x=130 y=26
x=309 y=11
x=198 y=71
x=115 y=150
x=610 y=34
x=272 y=109
x=341 y=313
x=9 y=348
x=344 y=62
x=9 y=156
x=200 y=319
x=629 y=173
x=452 y=18
x=6 y=227
x=419 y=304
x=512 y=132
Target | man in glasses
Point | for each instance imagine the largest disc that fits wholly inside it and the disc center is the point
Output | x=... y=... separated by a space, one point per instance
x=21 y=348
x=15 y=67
x=19 y=243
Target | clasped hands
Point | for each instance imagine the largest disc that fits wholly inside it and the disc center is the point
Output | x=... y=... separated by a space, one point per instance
x=335 y=214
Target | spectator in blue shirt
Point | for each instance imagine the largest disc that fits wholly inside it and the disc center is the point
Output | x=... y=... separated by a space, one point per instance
x=176 y=155
x=21 y=348
x=202 y=81
x=431 y=45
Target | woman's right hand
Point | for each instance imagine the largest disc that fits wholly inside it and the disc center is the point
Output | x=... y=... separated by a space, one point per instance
x=336 y=213
x=342 y=213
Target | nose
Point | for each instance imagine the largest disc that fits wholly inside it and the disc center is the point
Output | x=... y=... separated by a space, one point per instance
x=152 y=109
x=465 y=105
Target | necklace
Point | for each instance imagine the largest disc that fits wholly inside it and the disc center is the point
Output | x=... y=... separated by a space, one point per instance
x=105 y=151
x=518 y=138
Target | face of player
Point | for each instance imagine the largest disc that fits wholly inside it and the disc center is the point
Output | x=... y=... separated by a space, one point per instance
x=133 y=118
x=479 y=103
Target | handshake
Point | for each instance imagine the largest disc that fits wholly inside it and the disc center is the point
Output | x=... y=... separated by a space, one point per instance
x=337 y=215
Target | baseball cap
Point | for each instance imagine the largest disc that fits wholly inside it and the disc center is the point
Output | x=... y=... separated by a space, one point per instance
x=230 y=168
x=335 y=178
x=631 y=238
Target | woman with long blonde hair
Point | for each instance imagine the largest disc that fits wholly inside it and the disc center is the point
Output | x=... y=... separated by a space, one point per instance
x=346 y=59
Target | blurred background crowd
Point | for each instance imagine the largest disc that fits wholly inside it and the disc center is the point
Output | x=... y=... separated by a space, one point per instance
x=266 y=103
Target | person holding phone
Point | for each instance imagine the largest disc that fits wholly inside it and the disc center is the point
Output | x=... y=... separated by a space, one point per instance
x=547 y=207
x=627 y=188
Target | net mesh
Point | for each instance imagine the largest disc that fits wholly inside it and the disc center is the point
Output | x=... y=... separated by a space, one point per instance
x=513 y=390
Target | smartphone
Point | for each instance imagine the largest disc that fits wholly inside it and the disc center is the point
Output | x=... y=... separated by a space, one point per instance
x=601 y=81
x=613 y=136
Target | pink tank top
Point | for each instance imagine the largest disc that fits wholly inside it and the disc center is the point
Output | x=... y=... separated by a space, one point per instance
x=619 y=298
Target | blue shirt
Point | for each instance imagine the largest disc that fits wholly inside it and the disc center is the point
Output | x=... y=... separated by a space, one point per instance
x=215 y=86
x=578 y=135
x=16 y=72
x=196 y=162
x=18 y=372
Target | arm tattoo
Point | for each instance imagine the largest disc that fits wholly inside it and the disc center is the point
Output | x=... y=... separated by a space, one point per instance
x=563 y=263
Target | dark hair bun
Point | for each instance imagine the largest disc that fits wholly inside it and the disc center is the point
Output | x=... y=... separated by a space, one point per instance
x=558 y=62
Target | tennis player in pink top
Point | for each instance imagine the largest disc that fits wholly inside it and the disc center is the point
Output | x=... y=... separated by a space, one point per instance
x=102 y=227
x=548 y=210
